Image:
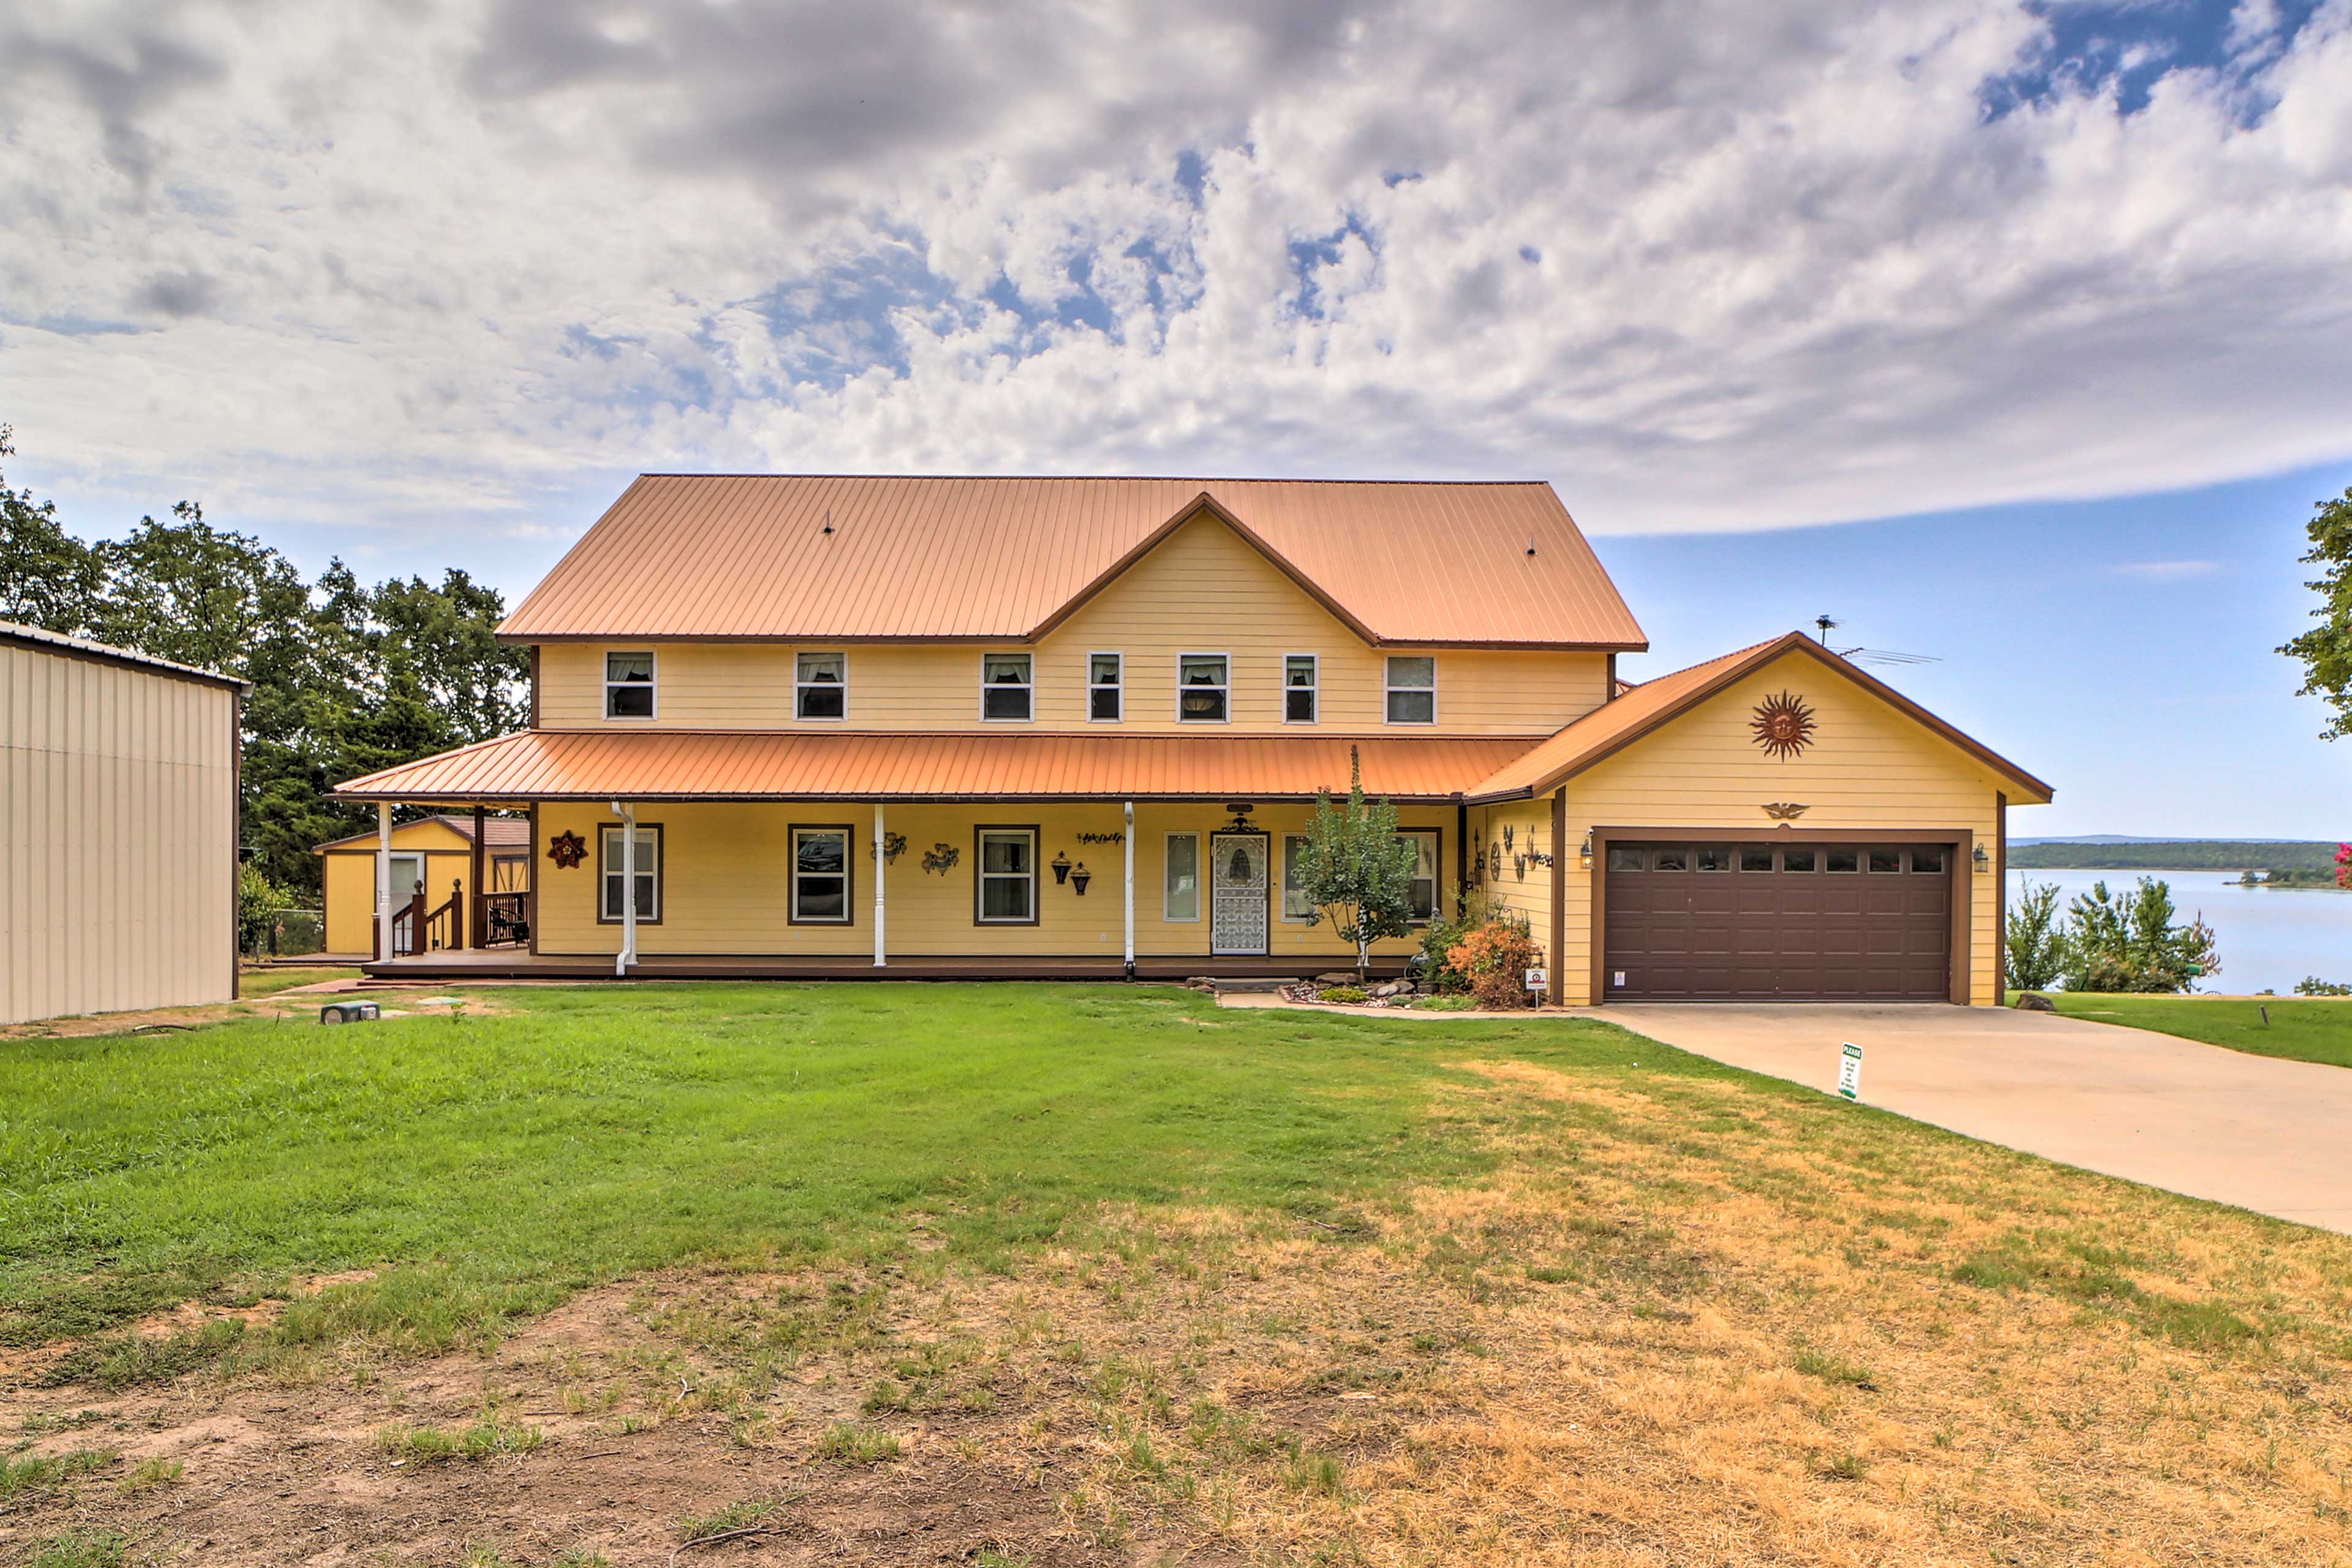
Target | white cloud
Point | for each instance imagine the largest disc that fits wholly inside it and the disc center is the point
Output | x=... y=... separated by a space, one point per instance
x=1713 y=264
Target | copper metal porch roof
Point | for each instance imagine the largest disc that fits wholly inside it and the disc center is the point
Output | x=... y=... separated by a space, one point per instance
x=710 y=765
x=747 y=556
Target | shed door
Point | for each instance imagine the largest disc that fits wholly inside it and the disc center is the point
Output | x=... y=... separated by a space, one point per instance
x=1238 y=906
x=1791 y=922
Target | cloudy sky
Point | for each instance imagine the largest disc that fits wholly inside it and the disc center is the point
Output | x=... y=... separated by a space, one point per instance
x=2044 y=306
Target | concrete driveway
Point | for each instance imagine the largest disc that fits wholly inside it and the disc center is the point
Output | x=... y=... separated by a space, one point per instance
x=2272 y=1136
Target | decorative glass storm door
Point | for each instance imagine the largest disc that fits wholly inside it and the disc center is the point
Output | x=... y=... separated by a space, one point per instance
x=1237 y=894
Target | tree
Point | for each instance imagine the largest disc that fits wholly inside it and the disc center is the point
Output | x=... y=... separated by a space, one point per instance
x=49 y=578
x=2325 y=649
x=2036 y=938
x=2128 y=942
x=1356 y=871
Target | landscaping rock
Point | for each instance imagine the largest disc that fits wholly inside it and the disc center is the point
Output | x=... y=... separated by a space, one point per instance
x=2034 y=1002
x=1394 y=988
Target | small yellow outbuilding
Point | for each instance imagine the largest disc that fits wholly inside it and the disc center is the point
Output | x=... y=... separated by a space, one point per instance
x=433 y=857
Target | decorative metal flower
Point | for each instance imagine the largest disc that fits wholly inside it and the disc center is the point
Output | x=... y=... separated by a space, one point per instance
x=567 y=850
x=1783 y=725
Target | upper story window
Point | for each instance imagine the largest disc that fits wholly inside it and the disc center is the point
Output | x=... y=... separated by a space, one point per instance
x=628 y=686
x=821 y=686
x=1105 y=681
x=1413 y=689
x=1301 y=682
x=1203 y=687
x=1004 y=686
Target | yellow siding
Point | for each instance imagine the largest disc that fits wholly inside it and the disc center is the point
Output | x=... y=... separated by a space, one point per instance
x=117 y=837
x=1204 y=590
x=725 y=886
x=1521 y=887
x=1869 y=768
x=350 y=881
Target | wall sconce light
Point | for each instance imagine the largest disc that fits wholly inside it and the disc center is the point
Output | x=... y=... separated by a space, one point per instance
x=1061 y=867
x=1584 y=851
x=1080 y=878
x=1982 y=861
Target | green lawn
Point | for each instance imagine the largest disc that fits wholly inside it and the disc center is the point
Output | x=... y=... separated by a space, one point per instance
x=2303 y=1028
x=576 y=1135
x=258 y=983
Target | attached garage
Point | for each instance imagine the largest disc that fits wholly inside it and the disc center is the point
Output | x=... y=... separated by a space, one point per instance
x=1779 y=921
x=1772 y=826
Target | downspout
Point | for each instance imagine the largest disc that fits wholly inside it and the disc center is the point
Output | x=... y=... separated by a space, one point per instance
x=628 y=954
x=881 y=862
x=382 y=880
x=1129 y=837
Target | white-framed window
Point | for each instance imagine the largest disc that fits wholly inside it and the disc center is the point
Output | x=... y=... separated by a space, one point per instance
x=629 y=685
x=1004 y=686
x=407 y=876
x=1296 y=905
x=1204 y=687
x=1302 y=679
x=1180 y=896
x=1424 y=871
x=1105 y=687
x=609 y=877
x=1006 y=890
x=821 y=686
x=1413 y=688
x=821 y=875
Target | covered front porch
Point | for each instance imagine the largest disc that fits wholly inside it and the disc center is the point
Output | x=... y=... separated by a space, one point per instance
x=920 y=857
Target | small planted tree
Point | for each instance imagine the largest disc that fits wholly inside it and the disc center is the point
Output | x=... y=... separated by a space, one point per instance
x=2128 y=942
x=1355 y=871
x=2036 y=938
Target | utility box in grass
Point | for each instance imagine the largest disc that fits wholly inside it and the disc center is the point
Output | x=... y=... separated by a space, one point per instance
x=350 y=1012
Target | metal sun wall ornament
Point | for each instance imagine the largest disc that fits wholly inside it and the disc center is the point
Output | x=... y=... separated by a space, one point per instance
x=567 y=850
x=1783 y=725
x=1784 y=810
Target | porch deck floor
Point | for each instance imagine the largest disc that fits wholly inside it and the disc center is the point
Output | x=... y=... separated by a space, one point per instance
x=496 y=964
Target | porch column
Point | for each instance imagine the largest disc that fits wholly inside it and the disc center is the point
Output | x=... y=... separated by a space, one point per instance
x=628 y=955
x=476 y=901
x=382 y=880
x=881 y=866
x=1128 y=837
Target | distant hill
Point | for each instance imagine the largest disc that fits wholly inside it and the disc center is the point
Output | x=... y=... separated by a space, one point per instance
x=2116 y=853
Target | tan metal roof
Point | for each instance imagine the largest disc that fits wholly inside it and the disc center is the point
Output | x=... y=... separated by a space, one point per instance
x=705 y=764
x=1613 y=726
x=106 y=653
x=497 y=832
x=746 y=556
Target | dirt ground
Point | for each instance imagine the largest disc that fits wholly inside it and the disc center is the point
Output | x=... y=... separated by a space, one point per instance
x=1616 y=1351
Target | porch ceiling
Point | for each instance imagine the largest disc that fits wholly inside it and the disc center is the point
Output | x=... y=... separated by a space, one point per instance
x=703 y=764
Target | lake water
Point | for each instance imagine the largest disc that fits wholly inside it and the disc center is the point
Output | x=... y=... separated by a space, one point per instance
x=2268 y=938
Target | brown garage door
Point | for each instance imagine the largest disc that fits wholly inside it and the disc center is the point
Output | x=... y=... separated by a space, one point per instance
x=1826 y=922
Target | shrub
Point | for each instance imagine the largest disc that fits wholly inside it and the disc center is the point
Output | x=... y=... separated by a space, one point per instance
x=2036 y=938
x=1432 y=966
x=1348 y=994
x=2128 y=942
x=1497 y=956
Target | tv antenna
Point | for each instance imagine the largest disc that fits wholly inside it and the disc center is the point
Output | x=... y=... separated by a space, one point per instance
x=1879 y=656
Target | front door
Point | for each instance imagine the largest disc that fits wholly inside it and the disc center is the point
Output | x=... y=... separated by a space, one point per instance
x=1237 y=894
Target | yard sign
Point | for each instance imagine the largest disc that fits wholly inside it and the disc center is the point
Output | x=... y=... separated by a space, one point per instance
x=1850 y=1071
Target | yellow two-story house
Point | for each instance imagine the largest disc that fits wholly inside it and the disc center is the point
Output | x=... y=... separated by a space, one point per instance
x=837 y=726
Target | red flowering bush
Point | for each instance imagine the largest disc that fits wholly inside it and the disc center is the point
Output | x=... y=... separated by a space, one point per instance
x=2344 y=865
x=1497 y=957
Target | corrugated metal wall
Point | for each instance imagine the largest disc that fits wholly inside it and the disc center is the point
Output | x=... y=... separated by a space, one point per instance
x=117 y=828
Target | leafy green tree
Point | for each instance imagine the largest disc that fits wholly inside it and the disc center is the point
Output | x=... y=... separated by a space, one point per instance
x=477 y=686
x=49 y=578
x=2325 y=649
x=2036 y=938
x=1356 y=871
x=260 y=901
x=2128 y=941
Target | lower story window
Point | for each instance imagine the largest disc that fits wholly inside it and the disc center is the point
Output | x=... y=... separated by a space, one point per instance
x=1296 y=904
x=1424 y=871
x=1007 y=891
x=612 y=874
x=820 y=876
x=1180 y=899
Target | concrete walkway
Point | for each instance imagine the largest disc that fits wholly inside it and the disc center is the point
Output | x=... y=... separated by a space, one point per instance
x=2268 y=1135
